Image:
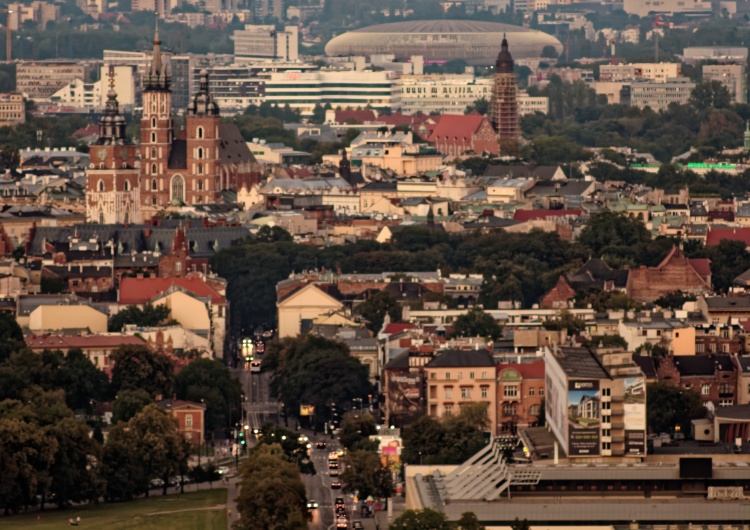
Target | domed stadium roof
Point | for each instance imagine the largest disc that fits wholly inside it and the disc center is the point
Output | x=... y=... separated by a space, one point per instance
x=476 y=42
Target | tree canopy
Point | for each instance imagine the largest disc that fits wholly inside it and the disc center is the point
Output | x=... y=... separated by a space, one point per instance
x=477 y=323
x=272 y=495
x=137 y=367
x=311 y=370
x=668 y=406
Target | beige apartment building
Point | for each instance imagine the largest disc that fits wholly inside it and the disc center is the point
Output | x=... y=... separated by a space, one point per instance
x=457 y=377
x=12 y=109
x=659 y=72
x=732 y=76
x=39 y=80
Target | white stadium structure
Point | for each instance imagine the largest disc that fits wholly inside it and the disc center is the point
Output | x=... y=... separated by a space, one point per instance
x=475 y=42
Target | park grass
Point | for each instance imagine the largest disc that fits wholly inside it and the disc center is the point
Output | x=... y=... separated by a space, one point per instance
x=203 y=510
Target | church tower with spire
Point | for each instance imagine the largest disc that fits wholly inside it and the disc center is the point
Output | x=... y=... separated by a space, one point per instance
x=157 y=130
x=203 y=145
x=504 y=103
x=112 y=179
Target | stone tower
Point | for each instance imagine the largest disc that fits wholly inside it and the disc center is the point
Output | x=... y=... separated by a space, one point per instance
x=504 y=105
x=112 y=188
x=746 y=137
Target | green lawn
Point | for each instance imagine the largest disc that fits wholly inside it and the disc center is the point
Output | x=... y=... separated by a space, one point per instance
x=203 y=510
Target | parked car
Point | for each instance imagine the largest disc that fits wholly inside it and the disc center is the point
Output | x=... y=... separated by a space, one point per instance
x=223 y=470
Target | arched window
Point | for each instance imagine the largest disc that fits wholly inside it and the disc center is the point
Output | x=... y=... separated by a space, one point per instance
x=200 y=169
x=509 y=409
x=178 y=189
x=200 y=153
x=153 y=152
x=199 y=132
x=153 y=169
x=100 y=185
x=153 y=200
x=200 y=185
x=153 y=137
x=153 y=186
x=153 y=123
x=127 y=185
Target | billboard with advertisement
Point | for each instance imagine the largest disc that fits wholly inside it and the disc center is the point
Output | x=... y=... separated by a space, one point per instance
x=584 y=418
x=404 y=396
x=635 y=416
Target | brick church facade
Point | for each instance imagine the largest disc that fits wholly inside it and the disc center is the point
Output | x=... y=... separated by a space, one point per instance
x=128 y=183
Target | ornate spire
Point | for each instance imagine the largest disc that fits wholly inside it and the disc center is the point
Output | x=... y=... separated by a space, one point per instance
x=203 y=103
x=345 y=168
x=504 y=64
x=112 y=124
x=158 y=76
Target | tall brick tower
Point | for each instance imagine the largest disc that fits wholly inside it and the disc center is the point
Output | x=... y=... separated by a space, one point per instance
x=504 y=105
x=157 y=132
x=112 y=191
x=203 y=139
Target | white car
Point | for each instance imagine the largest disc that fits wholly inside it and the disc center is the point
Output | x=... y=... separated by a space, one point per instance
x=223 y=470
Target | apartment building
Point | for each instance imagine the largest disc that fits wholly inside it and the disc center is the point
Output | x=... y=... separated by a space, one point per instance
x=731 y=76
x=38 y=12
x=12 y=109
x=267 y=42
x=595 y=402
x=456 y=377
x=41 y=79
x=657 y=95
x=659 y=72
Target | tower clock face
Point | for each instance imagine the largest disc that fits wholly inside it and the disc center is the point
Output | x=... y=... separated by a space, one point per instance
x=101 y=153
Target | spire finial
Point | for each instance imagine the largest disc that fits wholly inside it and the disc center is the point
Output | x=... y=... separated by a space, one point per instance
x=156 y=29
x=112 y=77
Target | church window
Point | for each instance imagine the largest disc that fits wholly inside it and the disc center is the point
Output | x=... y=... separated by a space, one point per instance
x=153 y=186
x=153 y=137
x=153 y=152
x=153 y=169
x=200 y=169
x=100 y=185
x=127 y=185
x=200 y=185
x=153 y=123
x=199 y=132
x=153 y=200
x=178 y=189
x=200 y=152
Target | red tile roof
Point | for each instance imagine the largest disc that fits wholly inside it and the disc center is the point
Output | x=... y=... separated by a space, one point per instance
x=528 y=215
x=458 y=125
x=533 y=370
x=358 y=116
x=702 y=266
x=397 y=119
x=396 y=328
x=143 y=290
x=715 y=235
x=60 y=342
x=89 y=130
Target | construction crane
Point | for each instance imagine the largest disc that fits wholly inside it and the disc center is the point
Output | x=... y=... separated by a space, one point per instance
x=657 y=24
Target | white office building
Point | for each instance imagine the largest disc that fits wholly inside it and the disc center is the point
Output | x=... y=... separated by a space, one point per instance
x=659 y=72
x=345 y=89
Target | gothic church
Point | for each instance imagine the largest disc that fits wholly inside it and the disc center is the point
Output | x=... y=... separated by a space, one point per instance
x=203 y=160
